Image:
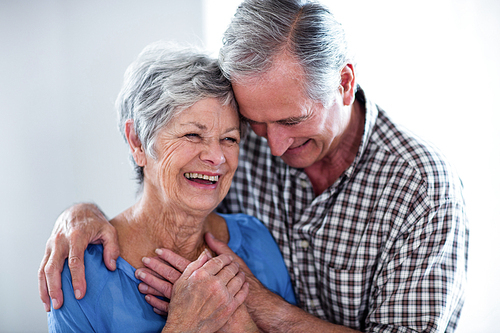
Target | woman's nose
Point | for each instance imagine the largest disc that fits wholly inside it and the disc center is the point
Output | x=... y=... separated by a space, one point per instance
x=213 y=153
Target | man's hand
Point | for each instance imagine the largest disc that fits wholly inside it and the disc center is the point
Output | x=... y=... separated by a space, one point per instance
x=75 y=228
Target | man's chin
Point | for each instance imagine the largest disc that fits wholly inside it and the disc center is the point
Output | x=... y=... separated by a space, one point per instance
x=297 y=162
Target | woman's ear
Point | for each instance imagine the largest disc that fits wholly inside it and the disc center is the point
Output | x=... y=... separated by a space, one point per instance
x=347 y=84
x=135 y=144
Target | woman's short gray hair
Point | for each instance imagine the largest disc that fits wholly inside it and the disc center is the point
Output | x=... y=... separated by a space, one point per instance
x=164 y=80
x=261 y=30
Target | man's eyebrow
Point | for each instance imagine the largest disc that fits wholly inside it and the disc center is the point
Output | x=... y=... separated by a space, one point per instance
x=281 y=121
x=292 y=119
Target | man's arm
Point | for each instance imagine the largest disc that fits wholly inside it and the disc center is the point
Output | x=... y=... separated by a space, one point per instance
x=270 y=312
x=75 y=228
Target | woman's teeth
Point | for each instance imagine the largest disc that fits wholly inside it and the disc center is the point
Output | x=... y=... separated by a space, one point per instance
x=194 y=175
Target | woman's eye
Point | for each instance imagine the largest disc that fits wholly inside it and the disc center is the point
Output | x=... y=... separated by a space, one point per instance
x=192 y=135
x=231 y=140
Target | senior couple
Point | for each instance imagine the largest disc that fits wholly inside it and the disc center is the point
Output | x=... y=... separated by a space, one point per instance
x=364 y=225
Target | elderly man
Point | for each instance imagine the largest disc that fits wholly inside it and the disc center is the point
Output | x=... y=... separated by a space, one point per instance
x=370 y=219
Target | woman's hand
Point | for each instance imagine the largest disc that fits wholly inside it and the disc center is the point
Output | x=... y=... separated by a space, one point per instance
x=159 y=276
x=162 y=272
x=206 y=295
x=75 y=228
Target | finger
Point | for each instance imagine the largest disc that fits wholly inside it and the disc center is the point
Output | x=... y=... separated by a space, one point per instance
x=159 y=306
x=177 y=261
x=111 y=250
x=236 y=283
x=42 y=283
x=214 y=265
x=220 y=247
x=166 y=271
x=53 y=269
x=146 y=289
x=228 y=272
x=76 y=264
x=53 y=276
x=198 y=263
x=242 y=294
x=164 y=288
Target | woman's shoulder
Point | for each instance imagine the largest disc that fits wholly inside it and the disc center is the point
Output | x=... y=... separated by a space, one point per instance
x=253 y=243
x=246 y=232
x=246 y=222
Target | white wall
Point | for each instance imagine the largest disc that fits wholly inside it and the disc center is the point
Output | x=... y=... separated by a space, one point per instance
x=61 y=67
x=431 y=64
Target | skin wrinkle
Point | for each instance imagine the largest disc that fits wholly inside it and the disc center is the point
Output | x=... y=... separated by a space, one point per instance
x=172 y=212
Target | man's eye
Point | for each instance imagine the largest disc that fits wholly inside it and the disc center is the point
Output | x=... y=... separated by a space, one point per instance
x=291 y=123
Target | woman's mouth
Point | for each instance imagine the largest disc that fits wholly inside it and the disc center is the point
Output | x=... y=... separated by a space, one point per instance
x=201 y=179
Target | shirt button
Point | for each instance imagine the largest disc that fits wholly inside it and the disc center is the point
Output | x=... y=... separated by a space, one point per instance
x=304 y=244
x=303 y=183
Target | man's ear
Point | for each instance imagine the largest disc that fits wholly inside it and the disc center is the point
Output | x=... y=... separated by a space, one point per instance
x=135 y=144
x=347 y=84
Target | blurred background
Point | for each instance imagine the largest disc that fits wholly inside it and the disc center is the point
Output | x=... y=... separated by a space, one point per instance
x=431 y=64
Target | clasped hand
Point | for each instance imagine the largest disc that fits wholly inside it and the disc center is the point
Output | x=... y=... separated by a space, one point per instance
x=202 y=298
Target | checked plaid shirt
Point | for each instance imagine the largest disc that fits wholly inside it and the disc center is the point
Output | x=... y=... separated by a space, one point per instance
x=384 y=249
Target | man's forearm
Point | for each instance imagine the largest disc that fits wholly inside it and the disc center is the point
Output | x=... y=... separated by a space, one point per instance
x=272 y=313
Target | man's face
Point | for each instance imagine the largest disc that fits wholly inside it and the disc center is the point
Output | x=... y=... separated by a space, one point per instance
x=299 y=130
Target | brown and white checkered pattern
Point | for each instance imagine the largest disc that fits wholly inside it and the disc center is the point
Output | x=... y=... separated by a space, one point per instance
x=384 y=249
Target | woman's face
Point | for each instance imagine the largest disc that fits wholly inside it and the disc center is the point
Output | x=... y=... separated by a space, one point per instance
x=197 y=155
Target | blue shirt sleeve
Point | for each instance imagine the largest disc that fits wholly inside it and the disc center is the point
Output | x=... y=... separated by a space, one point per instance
x=253 y=243
x=112 y=302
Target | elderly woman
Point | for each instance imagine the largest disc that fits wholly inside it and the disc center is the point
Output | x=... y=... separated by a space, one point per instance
x=179 y=117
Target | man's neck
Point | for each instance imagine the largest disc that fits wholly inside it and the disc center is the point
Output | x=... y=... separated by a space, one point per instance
x=325 y=172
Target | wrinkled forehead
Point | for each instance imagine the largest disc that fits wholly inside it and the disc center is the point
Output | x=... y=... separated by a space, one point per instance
x=208 y=114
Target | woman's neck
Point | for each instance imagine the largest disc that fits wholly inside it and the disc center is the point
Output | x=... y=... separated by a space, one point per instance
x=149 y=225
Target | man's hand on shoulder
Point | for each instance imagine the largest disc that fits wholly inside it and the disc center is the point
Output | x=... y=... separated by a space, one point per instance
x=75 y=228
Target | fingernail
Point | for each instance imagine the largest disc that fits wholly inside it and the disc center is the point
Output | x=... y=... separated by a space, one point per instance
x=47 y=307
x=146 y=260
x=159 y=252
x=143 y=288
x=203 y=254
x=210 y=235
x=112 y=262
x=141 y=275
x=147 y=297
x=209 y=255
x=78 y=294
x=55 y=303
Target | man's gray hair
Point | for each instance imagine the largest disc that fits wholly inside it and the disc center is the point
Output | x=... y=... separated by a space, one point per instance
x=264 y=29
x=163 y=81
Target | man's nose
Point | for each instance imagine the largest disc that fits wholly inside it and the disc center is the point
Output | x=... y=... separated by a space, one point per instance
x=278 y=139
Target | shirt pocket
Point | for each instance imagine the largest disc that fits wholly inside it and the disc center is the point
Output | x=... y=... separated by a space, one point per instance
x=347 y=293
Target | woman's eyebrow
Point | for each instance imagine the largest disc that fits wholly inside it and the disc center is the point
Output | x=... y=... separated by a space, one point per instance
x=235 y=128
x=203 y=127
x=200 y=126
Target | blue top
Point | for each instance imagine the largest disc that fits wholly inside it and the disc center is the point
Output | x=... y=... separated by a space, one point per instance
x=113 y=302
